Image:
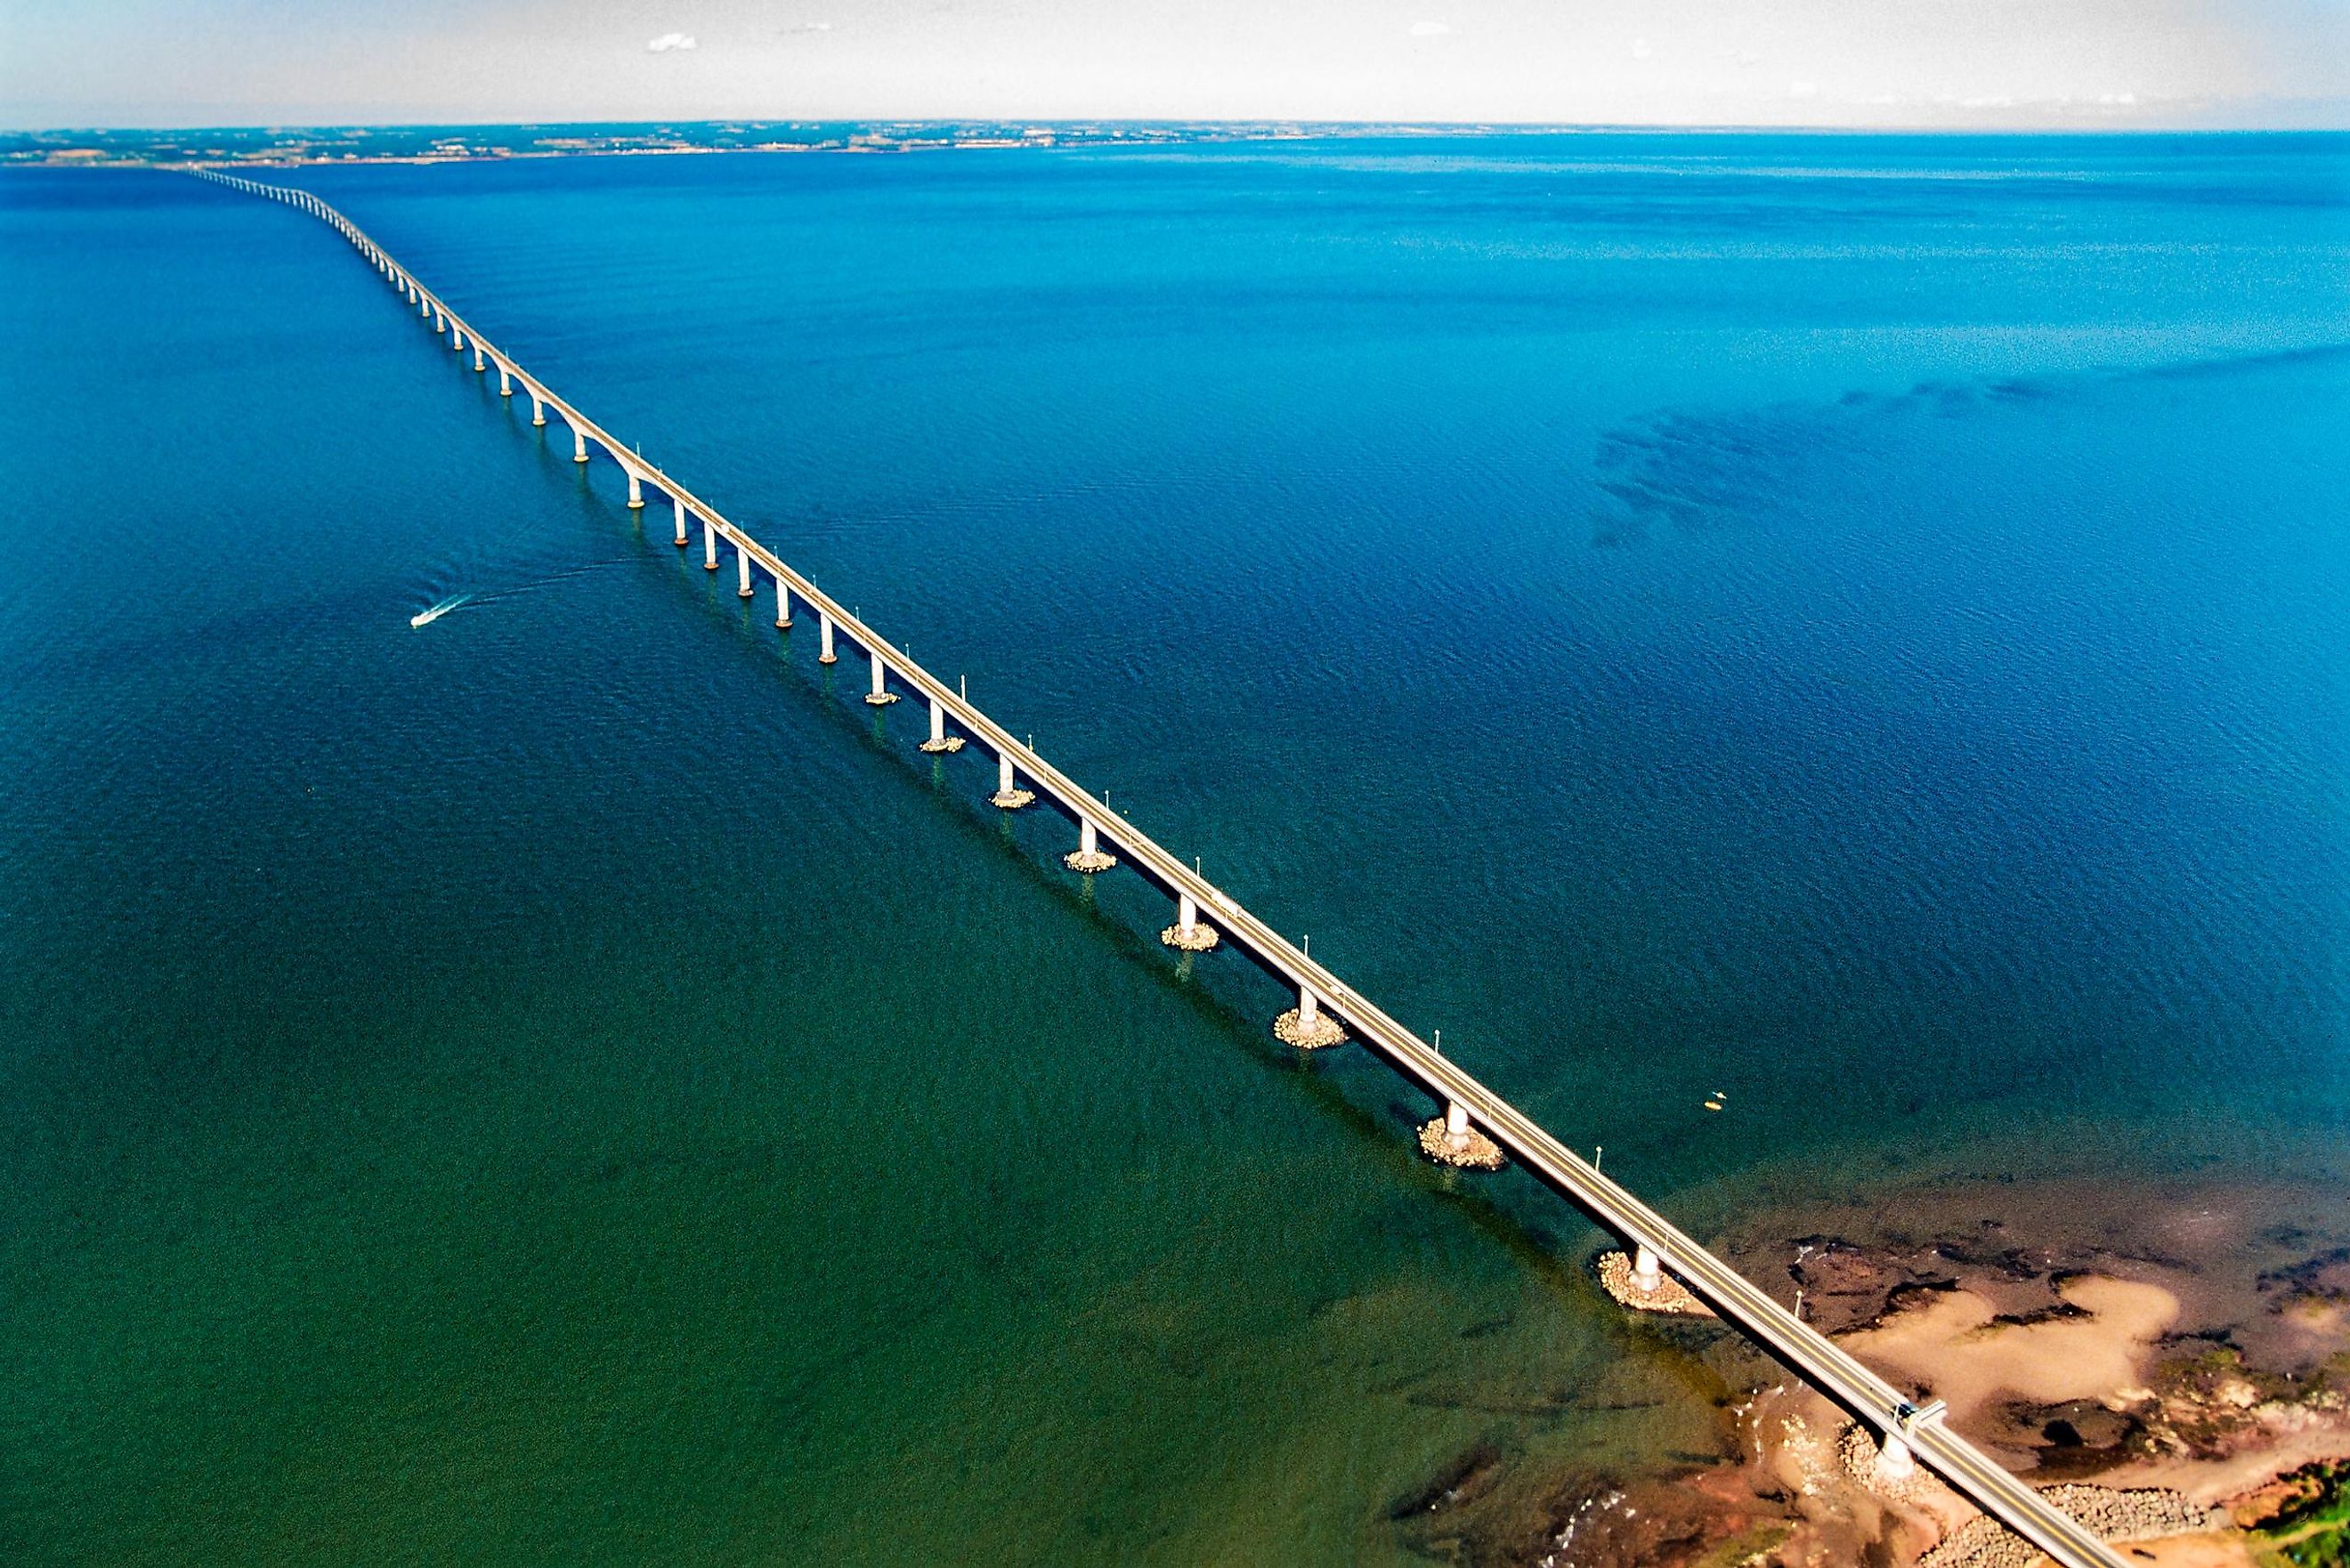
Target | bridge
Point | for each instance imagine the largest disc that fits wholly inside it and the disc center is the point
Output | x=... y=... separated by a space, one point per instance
x=1327 y=1006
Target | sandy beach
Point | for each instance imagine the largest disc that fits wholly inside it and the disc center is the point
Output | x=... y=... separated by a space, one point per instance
x=2156 y=1359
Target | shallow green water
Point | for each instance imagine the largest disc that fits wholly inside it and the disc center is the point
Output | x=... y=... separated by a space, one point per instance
x=566 y=1084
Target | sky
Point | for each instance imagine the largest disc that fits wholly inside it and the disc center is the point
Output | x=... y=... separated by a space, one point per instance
x=1998 y=64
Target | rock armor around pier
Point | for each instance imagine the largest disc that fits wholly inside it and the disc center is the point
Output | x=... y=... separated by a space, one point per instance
x=1856 y=1451
x=1013 y=799
x=1319 y=1035
x=1469 y=1150
x=944 y=743
x=1201 y=938
x=1669 y=1297
x=1088 y=860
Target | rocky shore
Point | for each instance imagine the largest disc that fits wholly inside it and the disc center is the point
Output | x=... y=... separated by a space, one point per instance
x=2156 y=1363
x=2145 y=1513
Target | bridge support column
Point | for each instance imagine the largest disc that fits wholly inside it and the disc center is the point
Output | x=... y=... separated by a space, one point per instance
x=456 y=338
x=880 y=696
x=1639 y=1280
x=636 y=492
x=506 y=383
x=709 y=545
x=1187 y=934
x=537 y=410
x=1008 y=794
x=1089 y=858
x=939 y=740
x=440 y=322
x=1304 y=1026
x=783 y=605
x=825 y=654
x=1450 y=1141
x=742 y=573
x=679 y=507
x=578 y=444
x=480 y=364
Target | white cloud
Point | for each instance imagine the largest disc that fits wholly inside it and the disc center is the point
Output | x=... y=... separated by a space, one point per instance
x=1430 y=30
x=1640 y=51
x=668 y=41
x=809 y=28
x=2118 y=99
x=1803 y=89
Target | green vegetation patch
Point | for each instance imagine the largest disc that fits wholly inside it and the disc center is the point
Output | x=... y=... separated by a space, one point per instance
x=2307 y=1525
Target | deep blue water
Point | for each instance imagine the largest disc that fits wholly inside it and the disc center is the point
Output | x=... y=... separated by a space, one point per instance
x=1852 y=624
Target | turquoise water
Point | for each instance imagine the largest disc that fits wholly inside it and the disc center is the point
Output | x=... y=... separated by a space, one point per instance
x=1854 y=624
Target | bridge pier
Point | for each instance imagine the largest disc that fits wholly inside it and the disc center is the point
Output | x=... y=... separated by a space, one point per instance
x=636 y=492
x=1639 y=1282
x=743 y=573
x=825 y=654
x=1088 y=857
x=479 y=363
x=880 y=696
x=1188 y=934
x=709 y=545
x=1450 y=1141
x=783 y=605
x=578 y=444
x=506 y=383
x=537 y=410
x=1304 y=1026
x=939 y=740
x=456 y=338
x=1008 y=794
x=678 y=506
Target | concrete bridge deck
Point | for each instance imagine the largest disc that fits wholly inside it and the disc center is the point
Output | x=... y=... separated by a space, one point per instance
x=1804 y=1351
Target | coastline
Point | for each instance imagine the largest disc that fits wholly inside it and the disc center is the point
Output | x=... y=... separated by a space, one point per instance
x=2165 y=1358
x=324 y=147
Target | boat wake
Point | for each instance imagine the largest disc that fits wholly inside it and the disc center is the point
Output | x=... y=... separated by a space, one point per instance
x=475 y=597
x=437 y=611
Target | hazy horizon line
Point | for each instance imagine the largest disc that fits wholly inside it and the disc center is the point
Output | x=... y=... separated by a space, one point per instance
x=1502 y=123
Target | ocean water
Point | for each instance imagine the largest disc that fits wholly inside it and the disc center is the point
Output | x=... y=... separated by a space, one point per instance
x=1851 y=625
